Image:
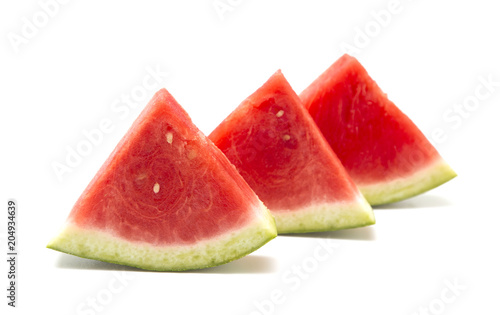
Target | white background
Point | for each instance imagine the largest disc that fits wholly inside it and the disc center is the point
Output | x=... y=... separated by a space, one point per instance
x=429 y=56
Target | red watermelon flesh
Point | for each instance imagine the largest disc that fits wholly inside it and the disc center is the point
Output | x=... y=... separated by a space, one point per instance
x=166 y=199
x=280 y=152
x=387 y=156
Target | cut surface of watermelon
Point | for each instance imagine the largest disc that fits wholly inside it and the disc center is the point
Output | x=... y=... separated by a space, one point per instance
x=280 y=152
x=385 y=153
x=166 y=199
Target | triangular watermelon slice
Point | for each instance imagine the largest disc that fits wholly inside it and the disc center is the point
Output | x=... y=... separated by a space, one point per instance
x=387 y=156
x=277 y=148
x=166 y=199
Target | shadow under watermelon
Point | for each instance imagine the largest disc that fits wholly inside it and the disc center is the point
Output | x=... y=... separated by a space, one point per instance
x=366 y=233
x=247 y=265
x=420 y=201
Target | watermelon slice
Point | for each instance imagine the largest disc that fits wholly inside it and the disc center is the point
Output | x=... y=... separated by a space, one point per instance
x=280 y=152
x=387 y=156
x=166 y=199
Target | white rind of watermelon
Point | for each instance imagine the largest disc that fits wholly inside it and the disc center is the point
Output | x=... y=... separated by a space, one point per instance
x=103 y=246
x=325 y=217
x=433 y=175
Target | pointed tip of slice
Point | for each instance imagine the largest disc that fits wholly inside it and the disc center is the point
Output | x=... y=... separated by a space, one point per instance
x=276 y=82
x=424 y=180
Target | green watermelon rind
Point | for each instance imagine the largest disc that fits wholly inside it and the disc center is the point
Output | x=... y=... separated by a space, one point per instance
x=324 y=217
x=430 y=177
x=102 y=246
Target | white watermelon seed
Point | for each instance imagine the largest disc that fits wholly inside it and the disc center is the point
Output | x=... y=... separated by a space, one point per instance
x=156 y=188
x=286 y=137
x=192 y=154
x=280 y=113
x=169 y=137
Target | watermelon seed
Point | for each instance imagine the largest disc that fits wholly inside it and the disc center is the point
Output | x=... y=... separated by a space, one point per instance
x=280 y=113
x=192 y=154
x=156 y=188
x=169 y=137
x=286 y=137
